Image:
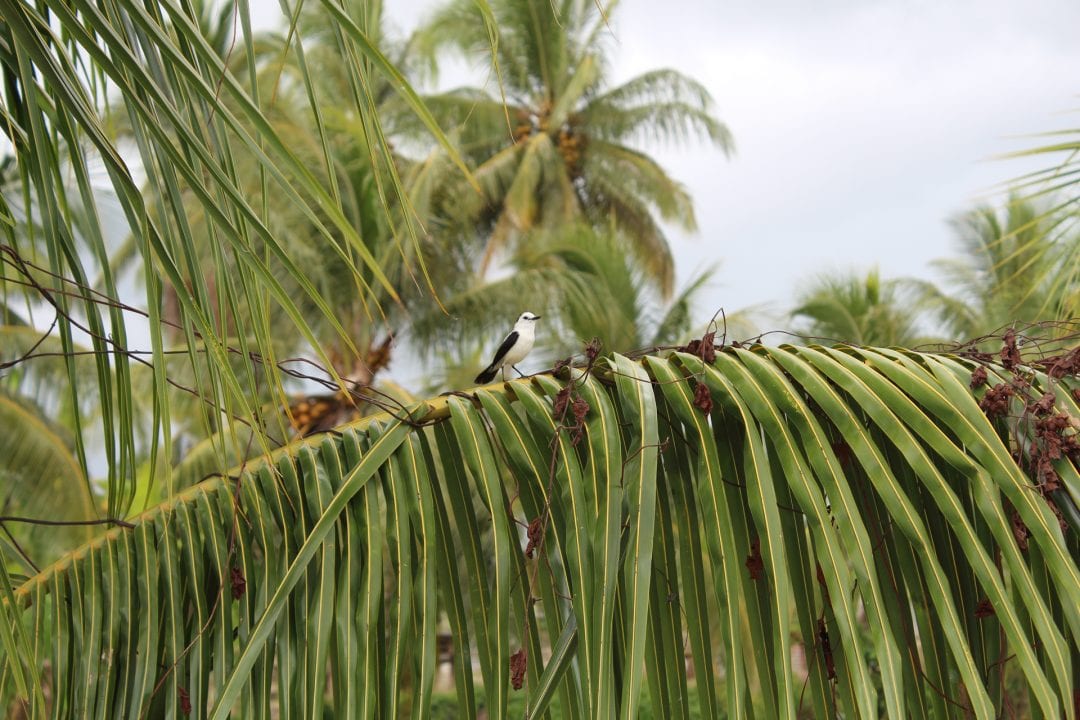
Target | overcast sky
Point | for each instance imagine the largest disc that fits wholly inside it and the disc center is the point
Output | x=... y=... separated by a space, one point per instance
x=861 y=126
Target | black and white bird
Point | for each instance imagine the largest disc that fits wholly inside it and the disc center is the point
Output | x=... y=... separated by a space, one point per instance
x=513 y=349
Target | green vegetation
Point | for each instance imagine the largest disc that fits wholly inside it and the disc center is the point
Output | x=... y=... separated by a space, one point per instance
x=444 y=706
x=714 y=509
x=209 y=237
x=556 y=146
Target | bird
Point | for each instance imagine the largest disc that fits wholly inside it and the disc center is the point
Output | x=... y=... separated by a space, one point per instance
x=514 y=348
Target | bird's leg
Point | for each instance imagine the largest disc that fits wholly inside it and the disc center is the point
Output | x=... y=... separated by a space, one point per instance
x=504 y=373
x=520 y=374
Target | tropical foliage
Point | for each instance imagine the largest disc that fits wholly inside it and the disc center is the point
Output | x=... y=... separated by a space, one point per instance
x=224 y=204
x=554 y=143
x=1015 y=269
x=859 y=502
x=907 y=522
x=40 y=475
x=860 y=309
x=1018 y=264
x=1059 y=181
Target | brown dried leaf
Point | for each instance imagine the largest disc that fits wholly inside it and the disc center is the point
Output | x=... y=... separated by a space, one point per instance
x=562 y=399
x=238 y=582
x=1051 y=481
x=1056 y=423
x=1010 y=354
x=1055 y=445
x=1068 y=364
x=1020 y=531
x=978 y=377
x=592 y=350
x=1043 y=405
x=518 y=664
x=184 y=698
x=703 y=398
x=753 y=560
x=580 y=409
x=995 y=402
x=708 y=349
x=536 y=536
x=977 y=356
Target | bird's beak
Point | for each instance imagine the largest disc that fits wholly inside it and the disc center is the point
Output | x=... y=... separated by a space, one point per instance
x=536 y=317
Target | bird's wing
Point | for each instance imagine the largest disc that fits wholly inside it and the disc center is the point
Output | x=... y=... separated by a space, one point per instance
x=504 y=348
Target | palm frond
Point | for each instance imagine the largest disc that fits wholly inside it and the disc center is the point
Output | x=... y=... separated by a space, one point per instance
x=641 y=177
x=660 y=106
x=1018 y=265
x=855 y=503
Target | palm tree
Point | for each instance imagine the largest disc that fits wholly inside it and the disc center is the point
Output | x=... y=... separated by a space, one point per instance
x=1017 y=266
x=1057 y=187
x=858 y=309
x=556 y=144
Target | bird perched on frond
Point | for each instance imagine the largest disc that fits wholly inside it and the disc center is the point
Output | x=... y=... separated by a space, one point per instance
x=513 y=349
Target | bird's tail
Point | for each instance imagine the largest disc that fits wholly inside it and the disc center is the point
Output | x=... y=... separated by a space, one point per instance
x=486 y=376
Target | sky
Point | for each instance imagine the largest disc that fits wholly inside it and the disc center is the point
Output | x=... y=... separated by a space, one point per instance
x=860 y=126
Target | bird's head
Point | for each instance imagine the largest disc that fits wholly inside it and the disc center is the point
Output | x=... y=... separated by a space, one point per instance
x=527 y=317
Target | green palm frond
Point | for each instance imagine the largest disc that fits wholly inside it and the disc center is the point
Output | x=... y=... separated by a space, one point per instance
x=195 y=129
x=855 y=503
x=1059 y=179
x=662 y=106
x=479 y=123
x=211 y=195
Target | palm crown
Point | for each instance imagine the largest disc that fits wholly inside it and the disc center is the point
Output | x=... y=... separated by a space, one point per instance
x=560 y=149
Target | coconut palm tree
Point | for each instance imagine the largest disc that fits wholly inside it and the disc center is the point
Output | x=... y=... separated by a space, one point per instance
x=858 y=309
x=1017 y=266
x=552 y=141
